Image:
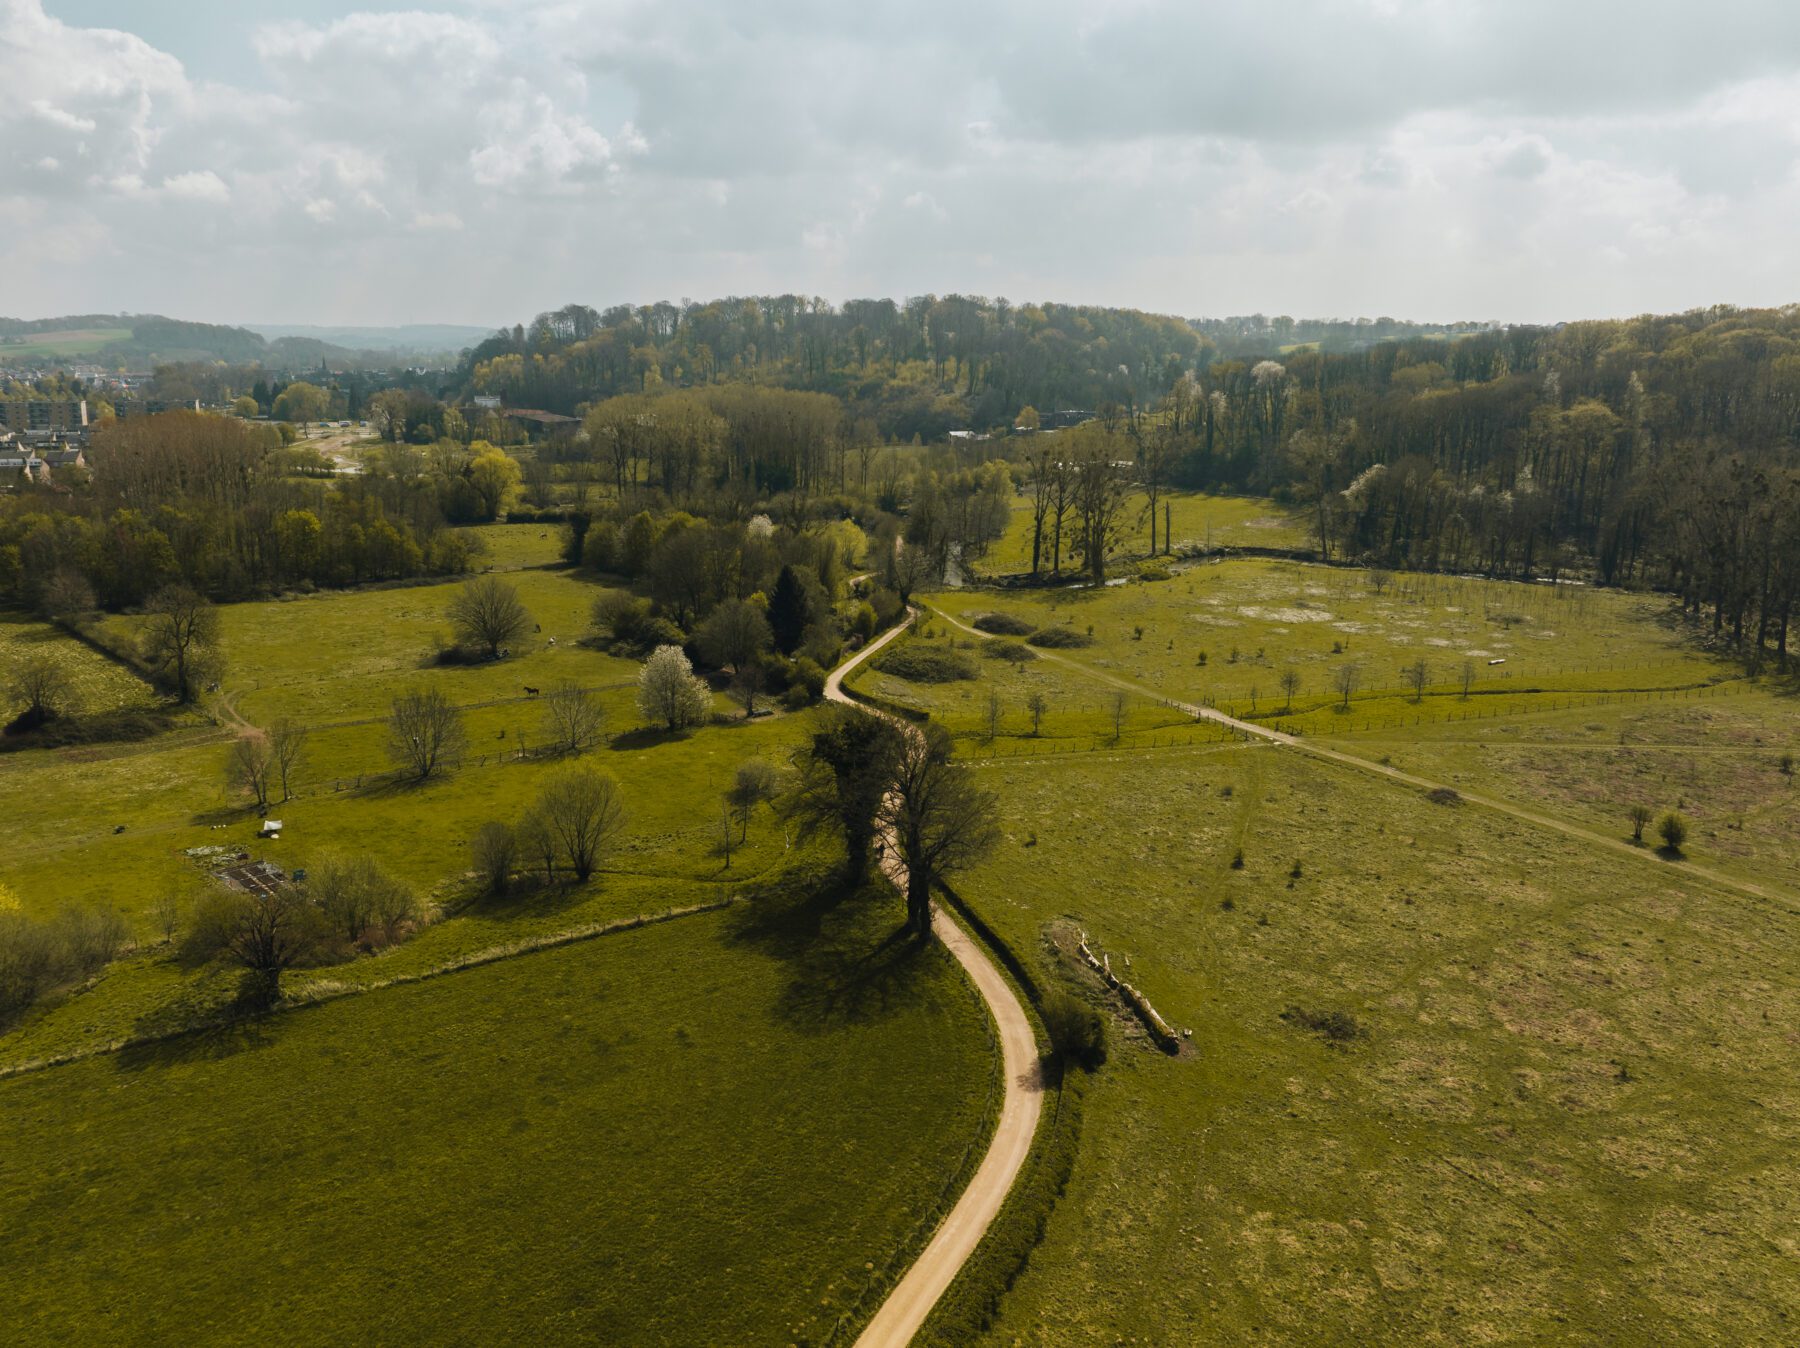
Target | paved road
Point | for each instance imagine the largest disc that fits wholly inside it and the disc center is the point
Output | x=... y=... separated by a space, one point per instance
x=955 y=1240
x=1317 y=750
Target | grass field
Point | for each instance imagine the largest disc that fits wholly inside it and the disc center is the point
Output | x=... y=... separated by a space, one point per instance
x=719 y=1130
x=1199 y=520
x=1566 y=1117
x=1252 y=620
x=69 y=343
x=92 y=683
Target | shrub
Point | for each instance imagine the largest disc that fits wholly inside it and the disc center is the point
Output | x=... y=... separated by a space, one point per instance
x=1337 y=1027
x=1673 y=830
x=1059 y=638
x=1002 y=625
x=1013 y=652
x=1077 y=1031
x=39 y=955
x=1152 y=572
x=808 y=678
x=917 y=662
x=494 y=851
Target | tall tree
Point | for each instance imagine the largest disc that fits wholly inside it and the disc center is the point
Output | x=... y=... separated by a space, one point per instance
x=938 y=819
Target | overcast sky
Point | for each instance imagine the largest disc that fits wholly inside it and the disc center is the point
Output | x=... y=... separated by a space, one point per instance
x=479 y=160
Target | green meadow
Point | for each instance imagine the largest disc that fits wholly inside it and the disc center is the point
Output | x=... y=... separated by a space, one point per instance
x=722 y=1129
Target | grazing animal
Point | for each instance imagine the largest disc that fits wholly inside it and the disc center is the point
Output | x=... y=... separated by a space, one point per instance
x=552 y=641
x=531 y=692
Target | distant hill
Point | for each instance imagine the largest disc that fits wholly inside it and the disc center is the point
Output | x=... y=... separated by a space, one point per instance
x=143 y=341
x=449 y=337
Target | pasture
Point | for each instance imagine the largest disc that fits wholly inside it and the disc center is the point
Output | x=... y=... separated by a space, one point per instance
x=66 y=344
x=1559 y=1110
x=720 y=1129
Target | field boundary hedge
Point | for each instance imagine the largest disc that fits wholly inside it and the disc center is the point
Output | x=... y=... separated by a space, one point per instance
x=324 y=991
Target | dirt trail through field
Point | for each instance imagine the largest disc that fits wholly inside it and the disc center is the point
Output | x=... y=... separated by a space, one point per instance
x=1316 y=750
x=961 y=1231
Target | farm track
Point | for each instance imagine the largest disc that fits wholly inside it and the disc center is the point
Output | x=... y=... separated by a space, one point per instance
x=958 y=1235
x=1340 y=758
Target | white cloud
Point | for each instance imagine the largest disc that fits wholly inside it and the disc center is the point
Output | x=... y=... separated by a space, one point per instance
x=1439 y=158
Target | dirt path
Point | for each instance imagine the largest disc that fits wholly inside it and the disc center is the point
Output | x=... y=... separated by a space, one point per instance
x=1314 y=749
x=961 y=1231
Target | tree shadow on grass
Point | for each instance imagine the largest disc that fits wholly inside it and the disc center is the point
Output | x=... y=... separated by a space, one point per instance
x=189 y=1031
x=646 y=737
x=847 y=965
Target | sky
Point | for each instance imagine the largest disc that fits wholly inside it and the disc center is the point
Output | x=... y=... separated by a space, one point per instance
x=477 y=161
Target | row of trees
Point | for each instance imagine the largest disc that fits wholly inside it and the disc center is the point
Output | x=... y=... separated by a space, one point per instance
x=211 y=503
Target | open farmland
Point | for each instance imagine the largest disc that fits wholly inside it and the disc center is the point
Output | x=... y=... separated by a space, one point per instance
x=721 y=1129
x=1559 y=1071
x=65 y=344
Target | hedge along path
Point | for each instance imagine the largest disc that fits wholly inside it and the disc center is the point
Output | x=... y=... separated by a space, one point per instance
x=951 y=1245
x=1254 y=732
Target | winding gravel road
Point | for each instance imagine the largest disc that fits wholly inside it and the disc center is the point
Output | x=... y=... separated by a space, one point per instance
x=961 y=1231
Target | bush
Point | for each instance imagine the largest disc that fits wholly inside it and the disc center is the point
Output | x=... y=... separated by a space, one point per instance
x=1077 y=1031
x=1059 y=638
x=808 y=679
x=1337 y=1027
x=1673 y=830
x=887 y=606
x=1002 y=625
x=1013 y=652
x=40 y=955
x=917 y=662
x=494 y=852
x=1151 y=572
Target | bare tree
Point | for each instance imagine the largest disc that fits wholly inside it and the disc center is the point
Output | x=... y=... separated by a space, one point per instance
x=268 y=934
x=1290 y=684
x=1118 y=705
x=538 y=842
x=669 y=693
x=487 y=613
x=1379 y=582
x=38 y=681
x=165 y=912
x=936 y=817
x=746 y=685
x=181 y=634
x=1346 y=679
x=584 y=812
x=755 y=784
x=573 y=719
x=287 y=746
x=494 y=850
x=1416 y=676
x=992 y=713
x=1466 y=677
x=1100 y=488
x=1640 y=816
x=250 y=767
x=425 y=733
x=1037 y=704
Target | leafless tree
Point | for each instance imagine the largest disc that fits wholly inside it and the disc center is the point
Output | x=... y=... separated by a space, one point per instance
x=165 y=912
x=487 y=613
x=1466 y=677
x=573 y=719
x=755 y=784
x=269 y=933
x=1290 y=684
x=584 y=812
x=425 y=733
x=1118 y=705
x=1417 y=675
x=250 y=767
x=1037 y=704
x=287 y=746
x=1640 y=816
x=494 y=851
x=181 y=634
x=992 y=714
x=1346 y=679
x=38 y=682
x=935 y=816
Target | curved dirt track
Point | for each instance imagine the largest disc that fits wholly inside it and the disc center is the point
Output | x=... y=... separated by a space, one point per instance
x=961 y=1231
x=1338 y=756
